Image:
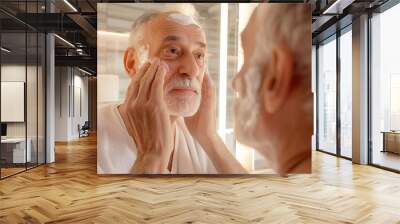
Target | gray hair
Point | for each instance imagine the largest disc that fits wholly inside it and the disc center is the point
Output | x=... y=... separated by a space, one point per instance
x=289 y=23
x=136 y=36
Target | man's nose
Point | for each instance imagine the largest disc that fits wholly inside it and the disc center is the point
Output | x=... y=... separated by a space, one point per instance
x=188 y=66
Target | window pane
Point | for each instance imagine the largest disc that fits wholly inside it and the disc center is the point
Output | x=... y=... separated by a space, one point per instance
x=314 y=78
x=327 y=96
x=345 y=94
x=41 y=98
x=13 y=87
x=31 y=99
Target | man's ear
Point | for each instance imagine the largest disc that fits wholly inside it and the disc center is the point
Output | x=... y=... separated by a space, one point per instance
x=130 y=60
x=278 y=74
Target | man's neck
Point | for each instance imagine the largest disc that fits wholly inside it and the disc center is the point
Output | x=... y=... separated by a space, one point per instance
x=292 y=155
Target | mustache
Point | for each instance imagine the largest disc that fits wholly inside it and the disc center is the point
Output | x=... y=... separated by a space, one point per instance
x=183 y=82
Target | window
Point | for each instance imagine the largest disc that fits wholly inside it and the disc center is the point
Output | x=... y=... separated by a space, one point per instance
x=327 y=96
x=346 y=93
x=314 y=90
x=385 y=88
x=22 y=76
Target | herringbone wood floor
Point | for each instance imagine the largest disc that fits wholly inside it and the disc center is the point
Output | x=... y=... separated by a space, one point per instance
x=70 y=191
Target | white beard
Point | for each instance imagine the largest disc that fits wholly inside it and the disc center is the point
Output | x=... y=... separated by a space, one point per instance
x=183 y=105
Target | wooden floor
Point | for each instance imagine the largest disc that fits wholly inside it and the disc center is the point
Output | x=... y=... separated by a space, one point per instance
x=10 y=171
x=388 y=159
x=5 y=172
x=70 y=191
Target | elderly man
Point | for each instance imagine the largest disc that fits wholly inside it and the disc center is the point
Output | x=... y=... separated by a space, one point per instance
x=274 y=104
x=166 y=124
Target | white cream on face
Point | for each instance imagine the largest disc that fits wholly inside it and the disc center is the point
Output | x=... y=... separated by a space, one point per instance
x=182 y=19
x=248 y=108
x=143 y=55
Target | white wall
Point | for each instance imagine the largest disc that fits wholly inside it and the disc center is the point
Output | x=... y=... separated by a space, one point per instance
x=62 y=81
x=17 y=73
x=70 y=83
x=80 y=84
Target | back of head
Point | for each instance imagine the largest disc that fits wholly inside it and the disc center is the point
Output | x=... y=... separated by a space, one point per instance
x=288 y=23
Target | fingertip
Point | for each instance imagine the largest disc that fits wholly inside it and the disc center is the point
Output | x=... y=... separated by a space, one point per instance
x=161 y=73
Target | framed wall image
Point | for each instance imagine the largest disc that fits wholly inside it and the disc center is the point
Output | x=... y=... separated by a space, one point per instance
x=12 y=101
x=170 y=97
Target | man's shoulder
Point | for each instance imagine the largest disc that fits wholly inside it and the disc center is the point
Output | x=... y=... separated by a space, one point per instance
x=107 y=112
x=108 y=118
x=111 y=131
x=115 y=148
x=109 y=108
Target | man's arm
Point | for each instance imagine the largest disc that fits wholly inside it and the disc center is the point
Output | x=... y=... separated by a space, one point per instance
x=202 y=126
x=145 y=116
x=221 y=157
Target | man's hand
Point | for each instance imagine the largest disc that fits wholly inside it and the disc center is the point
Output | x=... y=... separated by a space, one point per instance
x=147 y=120
x=202 y=125
x=203 y=128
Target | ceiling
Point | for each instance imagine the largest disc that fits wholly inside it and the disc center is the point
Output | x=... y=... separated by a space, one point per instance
x=76 y=22
x=77 y=25
x=332 y=15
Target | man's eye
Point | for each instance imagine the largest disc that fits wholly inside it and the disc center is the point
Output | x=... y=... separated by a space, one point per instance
x=199 y=56
x=171 y=51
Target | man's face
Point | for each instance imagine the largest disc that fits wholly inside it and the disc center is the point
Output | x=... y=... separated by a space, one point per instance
x=272 y=102
x=246 y=83
x=183 y=47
